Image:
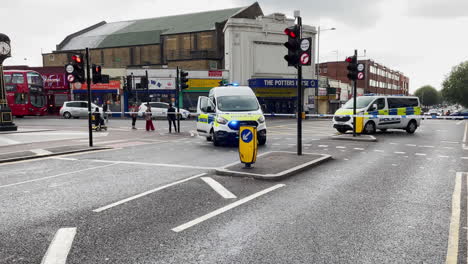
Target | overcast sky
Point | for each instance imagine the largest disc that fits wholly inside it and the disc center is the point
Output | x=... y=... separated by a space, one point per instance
x=422 y=38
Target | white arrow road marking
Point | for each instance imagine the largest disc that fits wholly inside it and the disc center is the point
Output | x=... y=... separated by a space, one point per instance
x=144 y=193
x=220 y=189
x=58 y=250
x=225 y=208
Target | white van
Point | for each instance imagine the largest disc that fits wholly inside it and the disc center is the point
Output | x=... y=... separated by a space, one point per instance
x=380 y=105
x=226 y=109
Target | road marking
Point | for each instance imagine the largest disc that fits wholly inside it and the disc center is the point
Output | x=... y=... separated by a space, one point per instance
x=393 y=143
x=410 y=145
x=60 y=246
x=452 y=247
x=399 y=152
x=54 y=176
x=378 y=150
x=426 y=146
x=450 y=142
x=448 y=147
x=394 y=165
x=276 y=144
x=340 y=147
x=358 y=148
x=291 y=144
x=322 y=146
x=9 y=141
x=307 y=145
x=41 y=151
x=346 y=159
x=420 y=154
x=155 y=164
x=60 y=158
x=464 y=157
x=459 y=122
x=100 y=209
x=225 y=208
x=220 y=189
x=443 y=156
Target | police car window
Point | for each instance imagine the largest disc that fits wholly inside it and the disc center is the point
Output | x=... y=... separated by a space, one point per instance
x=380 y=103
x=237 y=103
x=402 y=102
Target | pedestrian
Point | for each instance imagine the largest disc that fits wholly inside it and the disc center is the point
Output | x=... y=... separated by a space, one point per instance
x=105 y=108
x=134 y=115
x=171 y=118
x=149 y=119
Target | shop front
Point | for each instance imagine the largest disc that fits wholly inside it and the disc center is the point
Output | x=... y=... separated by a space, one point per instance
x=279 y=95
x=197 y=87
x=101 y=92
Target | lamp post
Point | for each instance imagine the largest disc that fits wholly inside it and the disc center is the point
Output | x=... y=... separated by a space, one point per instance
x=6 y=119
x=318 y=63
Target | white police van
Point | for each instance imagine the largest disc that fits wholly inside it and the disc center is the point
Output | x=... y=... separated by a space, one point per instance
x=226 y=108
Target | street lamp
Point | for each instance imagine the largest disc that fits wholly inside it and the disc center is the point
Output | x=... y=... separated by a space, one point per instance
x=318 y=63
x=318 y=49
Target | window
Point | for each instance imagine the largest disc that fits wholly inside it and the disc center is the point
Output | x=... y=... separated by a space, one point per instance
x=21 y=98
x=237 y=103
x=402 y=102
x=17 y=78
x=361 y=102
x=37 y=100
x=83 y=104
x=34 y=78
x=7 y=78
x=380 y=103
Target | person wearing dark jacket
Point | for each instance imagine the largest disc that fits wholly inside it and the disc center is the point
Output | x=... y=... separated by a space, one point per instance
x=171 y=117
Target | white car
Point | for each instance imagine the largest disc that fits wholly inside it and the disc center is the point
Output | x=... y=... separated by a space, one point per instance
x=159 y=109
x=77 y=109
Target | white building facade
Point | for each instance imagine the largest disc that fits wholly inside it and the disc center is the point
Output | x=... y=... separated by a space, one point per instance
x=254 y=56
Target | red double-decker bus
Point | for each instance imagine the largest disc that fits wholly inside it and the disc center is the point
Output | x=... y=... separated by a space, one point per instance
x=25 y=92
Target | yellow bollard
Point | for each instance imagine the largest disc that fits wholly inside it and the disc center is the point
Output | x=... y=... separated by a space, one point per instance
x=248 y=145
x=359 y=124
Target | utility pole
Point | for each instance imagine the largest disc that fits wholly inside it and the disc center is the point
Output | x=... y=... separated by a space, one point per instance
x=299 y=96
x=88 y=82
x=147 y=88
x=354 y=99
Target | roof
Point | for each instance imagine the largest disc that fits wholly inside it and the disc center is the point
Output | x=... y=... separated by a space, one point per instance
x=144 y=31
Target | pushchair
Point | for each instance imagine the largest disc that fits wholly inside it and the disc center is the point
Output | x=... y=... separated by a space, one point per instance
x=98 y=122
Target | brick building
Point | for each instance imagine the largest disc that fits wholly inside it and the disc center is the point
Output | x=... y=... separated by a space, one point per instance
x=191 y=41
x=379 y=78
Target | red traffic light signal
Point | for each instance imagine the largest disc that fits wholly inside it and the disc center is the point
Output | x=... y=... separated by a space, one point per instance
x=77 y=58
x=293 y=45
x=291 y=32
x=352 y=67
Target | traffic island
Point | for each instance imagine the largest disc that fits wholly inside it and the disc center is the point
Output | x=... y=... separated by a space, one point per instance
x=42 y=153
x=275 y=165
x=358 y=137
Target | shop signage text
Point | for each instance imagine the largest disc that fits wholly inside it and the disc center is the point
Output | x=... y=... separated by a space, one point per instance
x=281 y=83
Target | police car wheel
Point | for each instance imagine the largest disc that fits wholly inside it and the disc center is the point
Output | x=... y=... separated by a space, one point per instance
x=369 y=128
x=261 y=141
x=411 y=128
x=383 y=130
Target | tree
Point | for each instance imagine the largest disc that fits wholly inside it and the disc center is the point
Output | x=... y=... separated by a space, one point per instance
x=455 y=86
x=428 y=95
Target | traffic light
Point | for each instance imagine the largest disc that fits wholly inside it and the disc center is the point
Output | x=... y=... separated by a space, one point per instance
x=352 y=68
x=144 y=82
x=97 y=77
x=183 y=80
x=79 y=71
x=129 y=83
x=293 y=45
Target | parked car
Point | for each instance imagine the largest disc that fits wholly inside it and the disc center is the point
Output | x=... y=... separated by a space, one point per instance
x=462 y=114
x=77 y=109
x=433 y=112
x=159 y=109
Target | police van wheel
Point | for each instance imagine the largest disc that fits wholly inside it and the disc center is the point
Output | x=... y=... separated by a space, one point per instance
x=383 y=130
x=216 y=141
x=210 y=137
x=342 y=130
x=261 y=141
x=369 y=128
x=411 y=128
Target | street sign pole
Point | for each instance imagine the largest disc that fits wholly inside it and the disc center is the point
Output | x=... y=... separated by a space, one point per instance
x=354 y=101
x=147 y=88
x=178 y=99
x=299 y=96
x=88 y=82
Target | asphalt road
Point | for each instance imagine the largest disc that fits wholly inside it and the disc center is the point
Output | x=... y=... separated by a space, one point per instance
x=148 y=200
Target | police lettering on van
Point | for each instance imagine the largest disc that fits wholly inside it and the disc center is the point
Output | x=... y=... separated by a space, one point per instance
x=226 y=109
x=387 y=106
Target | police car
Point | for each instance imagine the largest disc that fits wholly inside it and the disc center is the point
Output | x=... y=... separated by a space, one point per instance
x=386 y=106
x=226 y=108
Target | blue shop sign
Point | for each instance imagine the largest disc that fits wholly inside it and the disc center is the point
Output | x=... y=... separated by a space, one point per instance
x=281 y=83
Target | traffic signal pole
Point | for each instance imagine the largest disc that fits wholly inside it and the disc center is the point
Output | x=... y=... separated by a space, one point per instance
x=354 y=100
x=299 y=96
x=147 y=88
x=88 y=82
x=178 y=99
